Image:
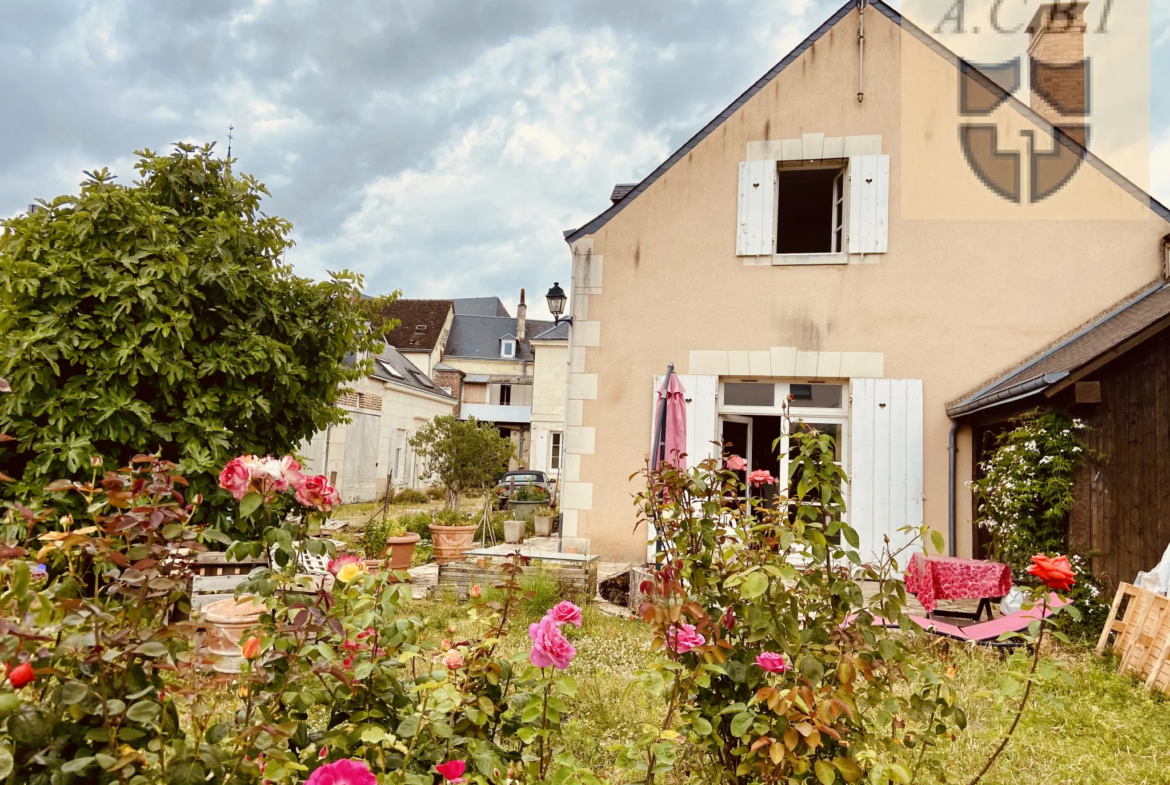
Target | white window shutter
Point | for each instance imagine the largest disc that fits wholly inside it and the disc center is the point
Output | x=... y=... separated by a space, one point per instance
x=885 y=477
x=869 y=203
x=756 y=235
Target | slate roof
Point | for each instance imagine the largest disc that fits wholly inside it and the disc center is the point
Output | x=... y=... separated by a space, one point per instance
x=429 y=314
x=1084 y=346
x=480 y=306
x=572 y=235
x=479 y=337
x=392 y=366
x=558 y=333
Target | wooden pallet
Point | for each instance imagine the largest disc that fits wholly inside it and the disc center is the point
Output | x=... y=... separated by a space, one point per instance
x=1141 y=621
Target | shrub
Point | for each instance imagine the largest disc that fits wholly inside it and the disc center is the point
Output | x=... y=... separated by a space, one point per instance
x=1025 y=493
x=544 y=512
x=450 y=517
x=526 y=494
x=417 y=522
x=410 y=496
x=161 y=313
x=463 y=454
x=436 y=492
x=377 y=533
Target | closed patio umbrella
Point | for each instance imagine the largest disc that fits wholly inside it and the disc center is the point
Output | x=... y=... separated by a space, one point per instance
x=670 y=424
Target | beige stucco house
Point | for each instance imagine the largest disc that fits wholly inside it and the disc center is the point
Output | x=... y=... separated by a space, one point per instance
x=846 y=247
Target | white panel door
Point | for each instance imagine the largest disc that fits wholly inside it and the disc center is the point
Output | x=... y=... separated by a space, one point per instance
x=359 y=475
x=886 y=464
x=314 y=452
x=756 y=234
x=869 y=203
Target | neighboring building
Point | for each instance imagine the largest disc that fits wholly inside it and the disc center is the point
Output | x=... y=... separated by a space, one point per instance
x=498 y=359
x=800 y=244
x=422 y=332
x=386 y=409
x=550 y=373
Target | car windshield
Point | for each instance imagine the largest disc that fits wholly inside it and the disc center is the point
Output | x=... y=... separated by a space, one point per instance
x=522 y=478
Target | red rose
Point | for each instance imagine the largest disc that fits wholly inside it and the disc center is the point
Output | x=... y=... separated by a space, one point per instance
x=21 y=675
x=1055 y=573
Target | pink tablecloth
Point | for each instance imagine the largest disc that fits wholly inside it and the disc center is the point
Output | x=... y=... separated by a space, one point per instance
x=934 y=578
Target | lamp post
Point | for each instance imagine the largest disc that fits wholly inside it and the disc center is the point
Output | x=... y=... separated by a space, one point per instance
x=557 y=298
x=556 y=304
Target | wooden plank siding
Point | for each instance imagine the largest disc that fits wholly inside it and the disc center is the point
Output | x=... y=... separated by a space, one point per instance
x=1121 y=493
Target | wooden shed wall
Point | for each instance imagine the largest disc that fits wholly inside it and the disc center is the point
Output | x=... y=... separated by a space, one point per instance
x=1122 y=498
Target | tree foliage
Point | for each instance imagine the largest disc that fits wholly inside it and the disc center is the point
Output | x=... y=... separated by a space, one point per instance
x=160 y=316
x=463 y=454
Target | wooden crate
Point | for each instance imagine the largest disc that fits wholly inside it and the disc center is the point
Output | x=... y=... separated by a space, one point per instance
x=1140 y=620
x=578 y=581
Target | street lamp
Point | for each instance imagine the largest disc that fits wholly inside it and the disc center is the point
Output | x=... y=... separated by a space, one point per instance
x=556 y=304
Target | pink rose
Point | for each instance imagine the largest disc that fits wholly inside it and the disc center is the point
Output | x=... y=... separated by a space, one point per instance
x=565 y=613
x=343 y=772
x=761 y=477
x=736 y=464
x=453 y=660
x=773 y=663
x=235 y=478
x=682 y=638
x=316 y=492
x=452 y=770
x=549 y=646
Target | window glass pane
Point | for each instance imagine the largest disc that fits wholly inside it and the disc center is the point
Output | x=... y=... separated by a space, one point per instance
x=749 y=394
x=816 y=396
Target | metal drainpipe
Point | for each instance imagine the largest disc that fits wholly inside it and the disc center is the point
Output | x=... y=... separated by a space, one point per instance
x=953 y=450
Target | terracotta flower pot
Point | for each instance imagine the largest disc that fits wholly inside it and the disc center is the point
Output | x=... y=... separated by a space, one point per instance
x=451 y=541
x=402 y=550
x=227 y=622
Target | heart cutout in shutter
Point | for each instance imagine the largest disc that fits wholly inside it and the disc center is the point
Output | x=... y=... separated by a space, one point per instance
x=869 y=180
x=755 y=185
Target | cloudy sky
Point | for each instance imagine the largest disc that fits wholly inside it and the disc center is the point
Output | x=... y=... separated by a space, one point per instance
x=439 y=147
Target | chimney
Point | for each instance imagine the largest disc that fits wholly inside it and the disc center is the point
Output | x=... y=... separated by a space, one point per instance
x=1059 y=70
x=521 y=314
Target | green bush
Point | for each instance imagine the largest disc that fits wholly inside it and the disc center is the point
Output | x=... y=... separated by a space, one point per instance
x=410 y=496
x=436 y=492
x=376 y=534
x=417 y=522
x=451 y=518
x=529 y=495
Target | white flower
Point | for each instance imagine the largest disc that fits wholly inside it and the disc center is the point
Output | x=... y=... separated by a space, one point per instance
x=1076 y=449
x=1045 y=459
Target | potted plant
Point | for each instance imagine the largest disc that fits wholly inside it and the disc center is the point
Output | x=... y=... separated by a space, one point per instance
x=388 y=536
x=451 y=535
x=542 y=519
x=525 y=502
x=514 y=531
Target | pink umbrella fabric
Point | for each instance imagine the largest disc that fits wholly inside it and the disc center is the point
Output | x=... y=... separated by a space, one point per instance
x=676 y=422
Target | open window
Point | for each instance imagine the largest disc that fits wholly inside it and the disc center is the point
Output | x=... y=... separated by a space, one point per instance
x=810 y=210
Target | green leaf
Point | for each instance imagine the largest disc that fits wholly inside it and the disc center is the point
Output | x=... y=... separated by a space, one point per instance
x=754 y=585
x=20 y=578
x=850 y=771
x=811 y=668
x=77 y=765
x=567 y=686
x=887 y=649
x=741 y=722
x=5 y=763
x=151 y=649
x=826 y=774
x=143 y=712
x=218 y=732
x=851 y=536
x=249 y=504
x=701 y=726
x=939 y=543
x=73 y=692
x=372 y=734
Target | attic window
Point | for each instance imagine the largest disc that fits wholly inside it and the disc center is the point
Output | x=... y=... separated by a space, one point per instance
x=810 y=210
x=507 y=348
x=420 y=328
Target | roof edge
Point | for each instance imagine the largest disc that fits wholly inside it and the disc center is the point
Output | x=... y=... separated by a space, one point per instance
x=572 y=235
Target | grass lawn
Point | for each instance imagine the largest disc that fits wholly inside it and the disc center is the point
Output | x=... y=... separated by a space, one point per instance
x=1104 y=729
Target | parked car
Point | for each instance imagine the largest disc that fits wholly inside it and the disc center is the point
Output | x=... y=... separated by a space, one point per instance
x=526 y=478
